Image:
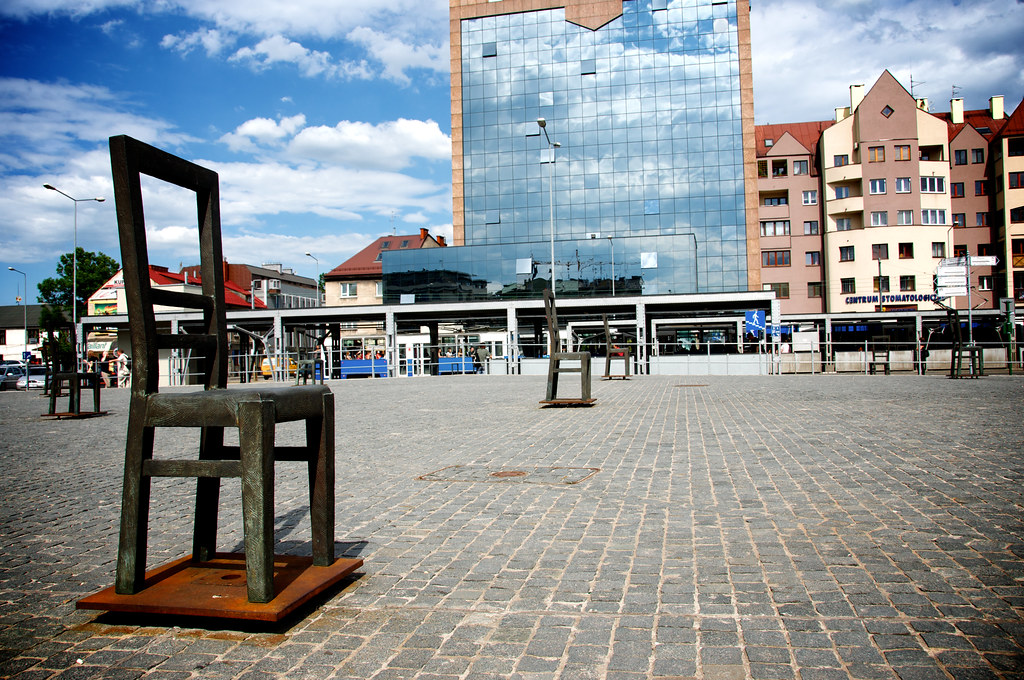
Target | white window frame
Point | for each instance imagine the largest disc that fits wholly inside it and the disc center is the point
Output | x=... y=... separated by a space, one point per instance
x=903 y=185
x=933 y=185
x=876 y=186
x=904 y=218
x=844 y=224
x=936 y=216
x=811 y=197
x=880 y=218
x=348 y=289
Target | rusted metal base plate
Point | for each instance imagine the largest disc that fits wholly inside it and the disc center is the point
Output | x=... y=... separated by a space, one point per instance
x=612 y=377
x=568 y=402
x=74 y=416
x=217 y=588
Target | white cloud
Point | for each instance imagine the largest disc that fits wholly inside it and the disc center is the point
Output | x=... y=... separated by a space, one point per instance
x=398 y=56
x=262 y=131
x=389 y=145
x=279 y=50
x=212 y=41
x=806 y=53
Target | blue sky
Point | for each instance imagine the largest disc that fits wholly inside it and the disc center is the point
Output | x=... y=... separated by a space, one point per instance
x=329 y=120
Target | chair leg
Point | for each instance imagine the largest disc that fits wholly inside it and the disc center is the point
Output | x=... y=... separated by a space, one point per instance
x=552 y=391
x=585 y=377
x=204 y=530
x=54 y=392
x=320 y=452
x=256 y=442
x=131 y=550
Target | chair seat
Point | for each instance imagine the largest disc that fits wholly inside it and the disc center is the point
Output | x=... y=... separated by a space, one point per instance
x=219 y=407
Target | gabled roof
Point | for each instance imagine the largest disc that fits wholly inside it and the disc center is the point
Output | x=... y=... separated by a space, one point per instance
x=367 y=262
x=233 y=295
x=980 y=119
x=1015 y=124
x=807 y=134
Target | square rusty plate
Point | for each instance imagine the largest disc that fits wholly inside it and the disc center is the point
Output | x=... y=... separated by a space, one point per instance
x=216 y=588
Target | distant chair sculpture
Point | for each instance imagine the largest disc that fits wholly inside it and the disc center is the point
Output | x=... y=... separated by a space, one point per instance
x=254 y=412
x=556 y=357
x=622 y=352
x=62 y=367
x=879 y=349
x=976 y=367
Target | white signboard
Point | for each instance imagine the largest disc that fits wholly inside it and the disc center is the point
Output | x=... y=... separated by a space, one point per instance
x=984 y=260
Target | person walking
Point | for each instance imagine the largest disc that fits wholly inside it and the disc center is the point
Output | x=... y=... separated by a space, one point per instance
x=124 y=375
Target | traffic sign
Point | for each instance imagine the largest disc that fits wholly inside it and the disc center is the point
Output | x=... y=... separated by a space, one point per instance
x=951 y=291
x=951 y=270
x=984 y=260
x=944 y=281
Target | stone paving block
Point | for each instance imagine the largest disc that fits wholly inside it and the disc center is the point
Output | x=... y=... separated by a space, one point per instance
x=775 y=527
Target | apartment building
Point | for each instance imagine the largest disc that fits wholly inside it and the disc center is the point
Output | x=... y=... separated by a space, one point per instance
x=856 y=213
x=1008 y=170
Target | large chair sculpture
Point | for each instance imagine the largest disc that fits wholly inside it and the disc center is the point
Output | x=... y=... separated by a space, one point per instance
x=254 y=412
x=556 y=357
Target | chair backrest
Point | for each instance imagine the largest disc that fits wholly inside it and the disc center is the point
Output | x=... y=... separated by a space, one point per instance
x=554 y=339
x=129 y=160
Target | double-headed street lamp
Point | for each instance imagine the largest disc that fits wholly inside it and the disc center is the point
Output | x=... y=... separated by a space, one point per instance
x=74 y=258
x=317 y=277
x=551 y=196
x=24 y=304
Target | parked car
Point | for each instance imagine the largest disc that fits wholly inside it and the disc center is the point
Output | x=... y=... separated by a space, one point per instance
x=9 y=375
x=36 y=378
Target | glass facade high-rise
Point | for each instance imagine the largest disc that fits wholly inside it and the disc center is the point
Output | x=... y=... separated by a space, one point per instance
x=648 y=175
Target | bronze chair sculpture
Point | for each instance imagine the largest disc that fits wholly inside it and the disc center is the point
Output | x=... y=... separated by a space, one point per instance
x=622 y=352
x=254 y=412
x=63 y=369
x=556 y=357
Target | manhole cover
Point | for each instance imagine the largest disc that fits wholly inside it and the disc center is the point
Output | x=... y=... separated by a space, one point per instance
x=480 y=473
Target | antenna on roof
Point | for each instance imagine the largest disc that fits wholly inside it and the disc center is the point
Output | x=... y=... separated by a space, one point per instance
x=393 y=232
x=955 y=91
x=914 y=84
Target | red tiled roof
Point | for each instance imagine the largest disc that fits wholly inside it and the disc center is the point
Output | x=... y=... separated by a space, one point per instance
x=234 y=296
x=1015 y=124
x=980 y=118
x=807 y=134
x=367 y=264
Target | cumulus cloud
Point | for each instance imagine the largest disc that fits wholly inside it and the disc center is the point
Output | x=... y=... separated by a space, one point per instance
x=398 y=56
x=279 y=50
x=212 y=41
x=803 y=65
x=252 y=134
x=389 y=145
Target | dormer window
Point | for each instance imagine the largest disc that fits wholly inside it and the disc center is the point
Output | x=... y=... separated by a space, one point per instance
x=385 y=245
x=404 y=244
x=769 y=142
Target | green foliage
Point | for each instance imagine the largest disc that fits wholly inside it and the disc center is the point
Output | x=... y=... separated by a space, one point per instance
x=94 y=269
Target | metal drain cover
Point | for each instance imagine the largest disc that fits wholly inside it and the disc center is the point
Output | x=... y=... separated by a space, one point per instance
x=481 y=473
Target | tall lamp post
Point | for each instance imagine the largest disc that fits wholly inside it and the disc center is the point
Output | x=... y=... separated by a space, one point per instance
x=24 y=304
x=74 y=262
x=317 y=277
x=551 y=196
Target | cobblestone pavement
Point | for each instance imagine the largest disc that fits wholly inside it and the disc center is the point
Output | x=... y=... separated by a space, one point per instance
x=708 y=527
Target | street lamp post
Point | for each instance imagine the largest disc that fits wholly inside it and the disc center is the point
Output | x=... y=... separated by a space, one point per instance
x=74 y=264
x=24 y=305
x=551 y=196
x=317 y=277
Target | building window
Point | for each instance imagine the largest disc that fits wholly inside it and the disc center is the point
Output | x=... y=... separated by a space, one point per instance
x=762 y=168
x=810 y=227
x=1016 y=215
x=780 y=168
x=984 y=249
x=846 y=253
x=956 y=189
x=3 y=336
x=588 y=67
x=938 y=249
x=984 y=283
x=880 y=251
x=812 y=258
x=959 y=250
x=959 y=219
x=877 y=186
x=879 y=218
x=908 y=283
x=980 y=187
x=799 y=167
x=404 y=244
x=1015 y=146
x=811 y=197
x=781 y=289
x=769 y=142
x=904 y=217
x=775 y=228
x=981 y=219
x=775 y=258
x=903 y=152
x=902 y=185
x=842 y=192
x=887 y=111
x=652 y=206
x=347 y=290
x=844 y=224
x=933 y=216
x=977 y=155
x=814 y=289
x=960 y=157
x=906 y=251
x=933 y=185
x=490 y=49
x=776 y=200
x=848 y=286
x=1016 y=180
x=876 y=154
x=841 y=160
x=880 y=284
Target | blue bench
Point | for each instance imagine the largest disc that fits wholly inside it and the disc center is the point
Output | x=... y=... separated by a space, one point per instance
x=455 y=365
x=357 y=368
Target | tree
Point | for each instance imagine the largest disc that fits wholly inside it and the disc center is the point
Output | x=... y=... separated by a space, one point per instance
x=94 y=270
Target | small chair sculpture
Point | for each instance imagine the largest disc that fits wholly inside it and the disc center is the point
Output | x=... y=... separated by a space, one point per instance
x=619 y=351
x=958 y=349
x=254 y=412
x=879 y=354
x=63 y=369
x=556 y=357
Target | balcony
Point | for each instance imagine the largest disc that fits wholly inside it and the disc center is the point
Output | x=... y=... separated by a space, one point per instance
x=843 y=173
x=851 y=204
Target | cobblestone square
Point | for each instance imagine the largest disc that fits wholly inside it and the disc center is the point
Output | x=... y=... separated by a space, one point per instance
x=765 y=527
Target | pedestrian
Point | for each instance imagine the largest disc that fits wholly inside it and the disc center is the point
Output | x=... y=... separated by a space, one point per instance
x=482 y=355
x=123 y=374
